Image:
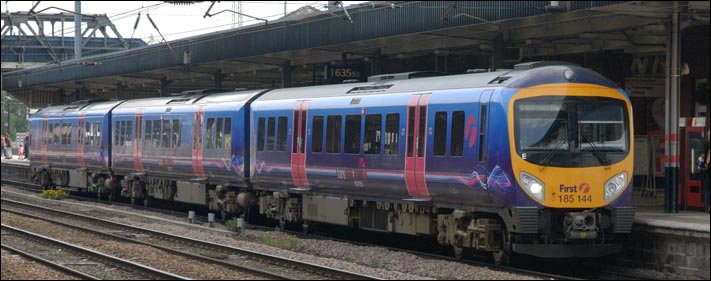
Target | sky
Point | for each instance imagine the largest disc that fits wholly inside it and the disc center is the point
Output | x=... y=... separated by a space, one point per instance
x=173 y=21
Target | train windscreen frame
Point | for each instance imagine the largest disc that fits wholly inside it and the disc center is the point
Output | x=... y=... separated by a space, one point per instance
x=565 y=131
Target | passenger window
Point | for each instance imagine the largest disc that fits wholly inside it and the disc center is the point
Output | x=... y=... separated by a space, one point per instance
x=352 y=139
x=260 y=134
x=117 y=133
x=97 y=135
x=147 y=134
x=65 y=133
x=270 y=133
x=129 y=133
x=80 y=133
x=69 y=133
x=317 y=134
x=333 y=134
x=219 y=134
x=440 y=133
x=392 y=134
x=57 y=133
x=176 y=133
x=457 y=136
x=166 y=133
x=373 y=133
x=124 y=133
x=88 y=130
x=281 y=134
x=210 y=132
x=228 y=134
x=156 y=133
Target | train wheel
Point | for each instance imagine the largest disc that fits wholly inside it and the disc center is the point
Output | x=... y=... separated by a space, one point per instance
x=503 y=256
x=457 y=252
x=133 y=200
x=98 y=195
x=282 y=224
x=147 y=201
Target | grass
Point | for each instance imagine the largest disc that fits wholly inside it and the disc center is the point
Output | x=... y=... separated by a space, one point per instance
x=287 y=243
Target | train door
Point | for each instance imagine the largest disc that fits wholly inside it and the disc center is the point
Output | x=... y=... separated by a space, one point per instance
x=415 y=146
x=45 y=136
x=137 y=145
x=197 y=142
x=80 y=141
x=298 y=145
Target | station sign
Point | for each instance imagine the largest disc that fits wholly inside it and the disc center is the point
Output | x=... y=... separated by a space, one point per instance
x=645 y=86
x=337 y=74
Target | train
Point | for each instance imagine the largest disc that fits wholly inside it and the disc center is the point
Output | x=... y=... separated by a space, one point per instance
x=534 y=160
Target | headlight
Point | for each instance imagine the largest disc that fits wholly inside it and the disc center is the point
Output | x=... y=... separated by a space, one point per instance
x=534 y=186
x=614 y=185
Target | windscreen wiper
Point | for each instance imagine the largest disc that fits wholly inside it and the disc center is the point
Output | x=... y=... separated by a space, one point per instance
x=596 y=152
x=549 y=155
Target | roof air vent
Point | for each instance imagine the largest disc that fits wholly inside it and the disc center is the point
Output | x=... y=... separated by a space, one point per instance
x=534 y=64
x=405 y=76
x=368 y=89
x=478 y=70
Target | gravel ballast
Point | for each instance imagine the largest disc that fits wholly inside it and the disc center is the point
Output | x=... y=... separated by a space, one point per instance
x=374 y=261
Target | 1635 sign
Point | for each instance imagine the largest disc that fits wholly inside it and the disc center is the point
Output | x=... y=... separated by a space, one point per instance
x=340 y=73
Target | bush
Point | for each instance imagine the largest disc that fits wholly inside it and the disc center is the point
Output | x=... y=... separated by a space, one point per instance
x=54 y=194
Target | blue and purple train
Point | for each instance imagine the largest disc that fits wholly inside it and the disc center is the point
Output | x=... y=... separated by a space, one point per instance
x=536 y=160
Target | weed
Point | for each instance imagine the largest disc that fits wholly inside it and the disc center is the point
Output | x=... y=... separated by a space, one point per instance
x=288 y=243
x=54 y=194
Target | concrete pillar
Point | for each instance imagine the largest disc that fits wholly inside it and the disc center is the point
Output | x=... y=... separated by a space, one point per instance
x=286 y=75
x=77 y=29
x=671 y=116
x=164 y=86
x=497 y=53
x=218 y=77
x=376 y=62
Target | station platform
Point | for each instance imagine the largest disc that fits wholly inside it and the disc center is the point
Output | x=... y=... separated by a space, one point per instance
x=15 y=160
x=675 y=243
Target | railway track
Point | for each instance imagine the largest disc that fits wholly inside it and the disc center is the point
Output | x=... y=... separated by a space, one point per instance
x=49 y=263
x=269 y=266
x=79 y=260
x=474 y=262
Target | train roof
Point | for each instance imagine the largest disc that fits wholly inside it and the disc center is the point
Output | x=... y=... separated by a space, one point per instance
x=387 y=86
x=84 y=105
x=523 y=75
x=193 y=97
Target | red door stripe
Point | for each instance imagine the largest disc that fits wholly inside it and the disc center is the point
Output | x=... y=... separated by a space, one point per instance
x=198 y=169
x=137 y=148
x=298 y=145
x=420 y=180
x=44 y=140
x=410 y=182
x=80 y=142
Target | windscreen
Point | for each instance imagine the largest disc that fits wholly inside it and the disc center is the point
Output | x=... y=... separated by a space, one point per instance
x=571 y=131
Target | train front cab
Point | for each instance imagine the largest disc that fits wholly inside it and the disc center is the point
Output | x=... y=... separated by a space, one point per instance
x=571 y=154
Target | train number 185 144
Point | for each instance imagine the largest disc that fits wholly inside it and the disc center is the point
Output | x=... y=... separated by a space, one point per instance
x=574 y=198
